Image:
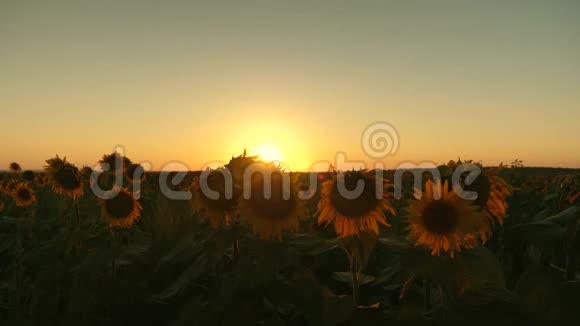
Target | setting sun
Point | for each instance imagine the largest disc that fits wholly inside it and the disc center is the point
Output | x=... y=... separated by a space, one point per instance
x=268 y=153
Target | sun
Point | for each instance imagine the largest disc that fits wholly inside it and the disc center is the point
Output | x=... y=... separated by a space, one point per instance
x=269 y=153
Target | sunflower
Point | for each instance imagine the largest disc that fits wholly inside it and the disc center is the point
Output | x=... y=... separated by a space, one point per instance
x=492 y=191
x=8 y=186
x=113 y=160
x=14 y=167
x=121 y=210
x=270 y=216
x=40 y=180
x=353 y=216
x=134 y=170
x=447 y=224
x=23 y=195
x=238 y=165
x=65 y=177
x=217 y=210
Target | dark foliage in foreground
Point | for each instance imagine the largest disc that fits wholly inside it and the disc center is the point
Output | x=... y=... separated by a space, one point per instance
x=172 y=268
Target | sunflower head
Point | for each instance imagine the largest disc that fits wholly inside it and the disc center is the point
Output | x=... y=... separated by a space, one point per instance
x=271 y=206
x=445 y=171
x=65 y=177
x=23 y=195
x=492 y=192
x=14 y=167
x=121 y=210
x=9 y=185
x=482 y=186
x=354 y=213
x=115 y=162
x=238 y=165
x=216 y=209
x=40 y=180
x=446 y=224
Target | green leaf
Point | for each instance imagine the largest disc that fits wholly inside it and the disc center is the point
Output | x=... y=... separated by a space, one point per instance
x=310 y=244
x=396 y=243
x=540 y=233
x=478 y=264
x=187 y=277
x=388 y=274
x=567 y=216
x=346 y=277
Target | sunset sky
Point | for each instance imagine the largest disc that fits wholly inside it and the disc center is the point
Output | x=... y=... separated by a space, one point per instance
x=176 y=81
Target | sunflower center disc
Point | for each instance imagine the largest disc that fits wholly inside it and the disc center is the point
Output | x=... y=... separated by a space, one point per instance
x=121 y=206
x=359 y=206
x=276 y=206
x=67 y=179
x=440 y=217
x=24 y=194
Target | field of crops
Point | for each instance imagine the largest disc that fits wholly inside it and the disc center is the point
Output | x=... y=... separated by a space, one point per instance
x=70 y=257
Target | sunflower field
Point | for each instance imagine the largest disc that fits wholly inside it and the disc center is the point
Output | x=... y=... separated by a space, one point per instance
x=138 y=257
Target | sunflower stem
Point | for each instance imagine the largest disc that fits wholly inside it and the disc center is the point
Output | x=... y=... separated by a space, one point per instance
x=78 y=226
x=236 y=248
x=114 y=247
x=427 y=294
x=572 y=253
x=19 y=270
x=78 y=212
x=355 y=271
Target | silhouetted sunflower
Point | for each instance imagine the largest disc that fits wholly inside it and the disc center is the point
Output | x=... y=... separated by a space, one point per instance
x=65 y=177
x=353 y=216
x=121 y=210
x=446 y=224
x=492 y=191
x=238 y=165
x=14 y=167
x=281 y=212
x=217 y=210
x=23 y=195
x=8 y=186
x=115 y=162
x=135 y=170
x=40 y=180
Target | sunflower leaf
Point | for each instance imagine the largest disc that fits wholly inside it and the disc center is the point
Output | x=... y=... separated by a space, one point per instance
x=346 y=277
x=540 y=233
x=569 y=215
